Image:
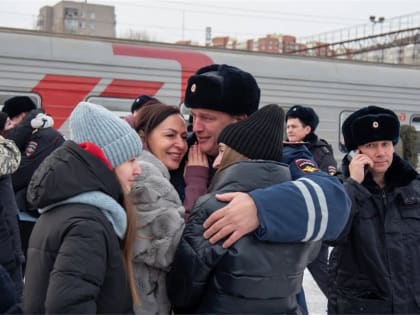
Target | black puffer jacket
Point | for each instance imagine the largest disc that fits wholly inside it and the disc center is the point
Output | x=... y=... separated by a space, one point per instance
x=74 y=263
x=11 y=255
x=322 y=152
x=251 y=276
x=375 y=265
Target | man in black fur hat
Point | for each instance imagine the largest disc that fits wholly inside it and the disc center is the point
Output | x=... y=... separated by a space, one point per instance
x=301 y=123
x=217 y=95
x=375 y=261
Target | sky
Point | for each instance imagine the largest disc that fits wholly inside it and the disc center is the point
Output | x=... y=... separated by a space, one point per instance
x=170 y=21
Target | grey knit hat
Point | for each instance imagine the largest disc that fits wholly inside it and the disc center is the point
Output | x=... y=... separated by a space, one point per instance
x=94 y=123
x=258 y=137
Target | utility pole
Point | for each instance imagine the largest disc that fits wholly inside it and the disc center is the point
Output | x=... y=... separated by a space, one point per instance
x=374 y=21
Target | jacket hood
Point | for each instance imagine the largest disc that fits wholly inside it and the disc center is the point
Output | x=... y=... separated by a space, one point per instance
x=70 y=171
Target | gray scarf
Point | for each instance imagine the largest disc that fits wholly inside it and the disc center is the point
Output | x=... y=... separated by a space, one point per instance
x=109 y=206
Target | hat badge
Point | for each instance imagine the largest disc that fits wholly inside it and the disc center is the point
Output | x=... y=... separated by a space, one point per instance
x=193 y=88
x=375 y=124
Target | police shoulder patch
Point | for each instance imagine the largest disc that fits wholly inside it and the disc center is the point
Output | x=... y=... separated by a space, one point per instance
x=332 y=170
x=31 y=148
x=306 y=166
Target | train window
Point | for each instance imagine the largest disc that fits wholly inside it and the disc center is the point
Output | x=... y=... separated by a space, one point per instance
x=415 y=122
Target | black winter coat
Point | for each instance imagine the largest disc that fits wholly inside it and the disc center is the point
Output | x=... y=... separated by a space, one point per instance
x=322 y=152
x=251 y=276
x=74 y=263
x=11 y=255
x=375 y=265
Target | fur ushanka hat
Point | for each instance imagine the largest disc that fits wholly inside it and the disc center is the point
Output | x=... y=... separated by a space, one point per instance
x=306 y=115
x=16 y=105
x=370 y=124
x=223 y=88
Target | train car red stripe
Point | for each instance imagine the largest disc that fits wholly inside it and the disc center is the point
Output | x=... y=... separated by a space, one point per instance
x=60 y=94
x=190 y=61
x=131 y=88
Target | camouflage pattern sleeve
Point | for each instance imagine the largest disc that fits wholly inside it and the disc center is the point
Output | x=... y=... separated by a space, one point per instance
x=9 y=157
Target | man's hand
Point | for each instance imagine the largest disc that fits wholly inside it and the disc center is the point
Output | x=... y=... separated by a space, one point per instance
x=237 y=218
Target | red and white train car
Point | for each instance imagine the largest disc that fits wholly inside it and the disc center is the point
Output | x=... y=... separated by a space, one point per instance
x=58 y=71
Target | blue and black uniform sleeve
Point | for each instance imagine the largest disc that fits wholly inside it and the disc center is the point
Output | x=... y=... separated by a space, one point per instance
x=312 y=207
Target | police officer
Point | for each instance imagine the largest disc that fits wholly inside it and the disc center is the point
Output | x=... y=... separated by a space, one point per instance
x=301 y=123
x=376 y=260
x=36 y=139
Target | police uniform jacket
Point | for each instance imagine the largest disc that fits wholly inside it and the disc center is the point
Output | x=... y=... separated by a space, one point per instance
x=376 y=263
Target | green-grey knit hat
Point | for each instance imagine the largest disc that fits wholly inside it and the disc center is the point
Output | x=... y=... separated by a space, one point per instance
x=94 y=123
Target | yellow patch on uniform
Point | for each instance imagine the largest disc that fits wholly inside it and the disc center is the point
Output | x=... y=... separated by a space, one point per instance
x=306 y=166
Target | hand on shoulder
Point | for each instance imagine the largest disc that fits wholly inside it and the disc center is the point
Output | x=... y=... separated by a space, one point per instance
x=237 y=218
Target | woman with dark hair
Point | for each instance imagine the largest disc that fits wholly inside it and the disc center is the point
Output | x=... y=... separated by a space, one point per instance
x=79 y=255
x=160 y=213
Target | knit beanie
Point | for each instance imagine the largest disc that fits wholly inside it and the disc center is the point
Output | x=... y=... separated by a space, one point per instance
x=260 y=136
x=16 y=105
x=94 y=123
x=223 y=88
